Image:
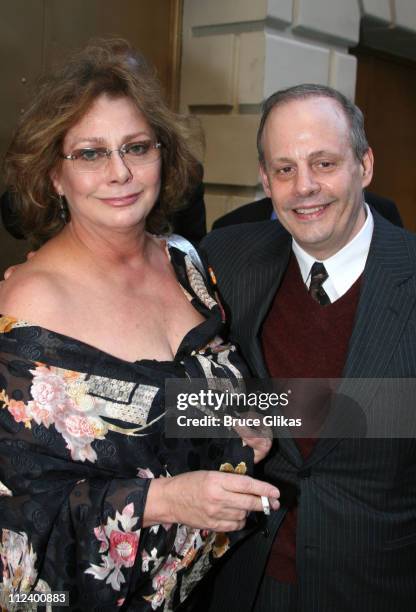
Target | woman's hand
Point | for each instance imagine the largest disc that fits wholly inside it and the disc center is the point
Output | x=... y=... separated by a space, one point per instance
x=259 y=438
x=207 y=500
x=260 y=445
x=9 y=271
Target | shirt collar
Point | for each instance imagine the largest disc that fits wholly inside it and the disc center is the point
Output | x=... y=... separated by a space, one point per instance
x=345 y=266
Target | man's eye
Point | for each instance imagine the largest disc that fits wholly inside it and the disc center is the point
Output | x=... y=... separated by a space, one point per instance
x=138 y=148
x=89 y=155
x=285 y=171
x=325 y=165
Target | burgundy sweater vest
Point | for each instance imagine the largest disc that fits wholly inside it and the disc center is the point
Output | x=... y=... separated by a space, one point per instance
x=302 y=339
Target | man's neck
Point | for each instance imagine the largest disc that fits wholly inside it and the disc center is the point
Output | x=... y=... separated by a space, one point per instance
x=343 y=267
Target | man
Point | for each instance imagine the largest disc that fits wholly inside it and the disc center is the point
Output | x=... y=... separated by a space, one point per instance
x=329 y=294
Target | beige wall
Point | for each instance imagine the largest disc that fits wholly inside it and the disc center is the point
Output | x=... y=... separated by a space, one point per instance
x=237 y=52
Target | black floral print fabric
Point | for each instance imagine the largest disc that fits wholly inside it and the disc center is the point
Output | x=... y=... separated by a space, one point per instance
x=81 y=438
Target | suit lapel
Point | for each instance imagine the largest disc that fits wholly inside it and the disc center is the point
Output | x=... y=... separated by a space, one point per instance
x=262 y=278
x=268 y=267
x=385 y=304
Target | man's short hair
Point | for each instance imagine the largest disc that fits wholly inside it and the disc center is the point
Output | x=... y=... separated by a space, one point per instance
x=355 y=117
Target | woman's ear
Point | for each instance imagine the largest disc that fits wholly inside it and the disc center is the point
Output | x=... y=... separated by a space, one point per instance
x=57 y=185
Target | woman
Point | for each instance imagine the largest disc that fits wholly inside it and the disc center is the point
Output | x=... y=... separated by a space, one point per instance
x=95 y=500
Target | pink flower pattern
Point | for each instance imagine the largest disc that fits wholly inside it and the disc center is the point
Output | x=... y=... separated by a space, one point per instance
x=118 y=547
x=123 y=547
x=191 y=549
x=19 y=411
x=61 y=398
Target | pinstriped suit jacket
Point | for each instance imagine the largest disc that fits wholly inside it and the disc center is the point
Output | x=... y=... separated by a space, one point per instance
x=356 y=534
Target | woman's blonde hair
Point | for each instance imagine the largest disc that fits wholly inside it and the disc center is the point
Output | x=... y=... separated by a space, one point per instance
x=110 y=67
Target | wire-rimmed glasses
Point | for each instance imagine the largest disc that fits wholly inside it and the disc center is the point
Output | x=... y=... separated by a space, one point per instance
x=95 y=159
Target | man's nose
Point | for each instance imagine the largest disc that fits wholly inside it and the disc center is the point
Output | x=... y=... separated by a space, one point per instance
x=305 y=182
x=117 y=168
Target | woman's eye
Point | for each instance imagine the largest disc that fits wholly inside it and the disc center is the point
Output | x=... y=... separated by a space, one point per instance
x=88 y=154
x=138 y=148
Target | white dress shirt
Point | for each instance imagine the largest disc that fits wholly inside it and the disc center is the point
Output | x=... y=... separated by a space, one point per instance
x=345 y=266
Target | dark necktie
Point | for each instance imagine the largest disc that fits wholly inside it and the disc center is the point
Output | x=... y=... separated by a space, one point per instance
x=318 y=276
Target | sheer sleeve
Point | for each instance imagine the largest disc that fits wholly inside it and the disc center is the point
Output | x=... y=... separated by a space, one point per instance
x=67 y=514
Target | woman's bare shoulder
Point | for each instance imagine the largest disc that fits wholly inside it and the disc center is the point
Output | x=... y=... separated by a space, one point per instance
x=32 y=291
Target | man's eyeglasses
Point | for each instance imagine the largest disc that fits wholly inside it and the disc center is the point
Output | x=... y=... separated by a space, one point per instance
x=133 y=153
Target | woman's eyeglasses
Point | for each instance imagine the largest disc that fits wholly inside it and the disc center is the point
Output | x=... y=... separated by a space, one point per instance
x=95 y=159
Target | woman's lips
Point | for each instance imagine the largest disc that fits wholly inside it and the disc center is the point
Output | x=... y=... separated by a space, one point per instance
x=121 y=200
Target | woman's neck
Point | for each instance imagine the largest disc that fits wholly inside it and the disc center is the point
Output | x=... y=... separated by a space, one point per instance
x=112 y=248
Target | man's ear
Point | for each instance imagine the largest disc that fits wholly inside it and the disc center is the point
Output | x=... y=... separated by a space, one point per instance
x=265 y=180
x=367 y=166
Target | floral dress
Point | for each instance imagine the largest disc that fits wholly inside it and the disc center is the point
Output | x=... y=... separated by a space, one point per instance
x=81 y=437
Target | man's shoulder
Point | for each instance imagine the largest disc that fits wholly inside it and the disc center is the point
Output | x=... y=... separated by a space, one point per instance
x=259 y=210
x=233 y=250
x=245 y=236
x=393 y=248
x=386 y=231
x=410 y=240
